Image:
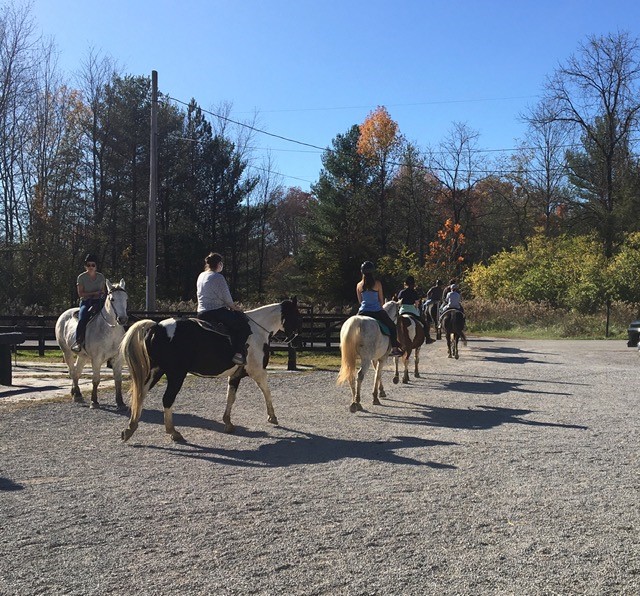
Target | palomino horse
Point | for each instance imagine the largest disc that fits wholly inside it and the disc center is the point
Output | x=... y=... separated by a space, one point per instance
x=175 y=347
x=430 y=313
x=411 y=337
x=102 y=340
x=360 y=336
x=453 y=324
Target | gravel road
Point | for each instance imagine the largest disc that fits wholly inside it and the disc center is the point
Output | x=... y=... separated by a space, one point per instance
x=513 y=470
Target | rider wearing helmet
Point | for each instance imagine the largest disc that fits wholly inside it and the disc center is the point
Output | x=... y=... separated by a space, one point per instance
x=92 y=288
x=371 y=298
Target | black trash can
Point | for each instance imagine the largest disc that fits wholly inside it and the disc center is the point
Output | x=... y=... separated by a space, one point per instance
x=634 y=334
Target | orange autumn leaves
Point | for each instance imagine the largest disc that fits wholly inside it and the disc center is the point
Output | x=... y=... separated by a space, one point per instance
x=378 y=135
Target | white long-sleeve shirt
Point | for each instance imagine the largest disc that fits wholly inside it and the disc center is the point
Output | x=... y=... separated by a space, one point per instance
x=213 y=291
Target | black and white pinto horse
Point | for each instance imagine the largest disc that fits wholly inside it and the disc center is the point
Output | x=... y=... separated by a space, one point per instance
x=411 y=336
x=102 y=341
x=175 y=347
x=361 y=337
x=453 y=324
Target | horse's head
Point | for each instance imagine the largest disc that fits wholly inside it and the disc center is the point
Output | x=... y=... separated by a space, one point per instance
x=116 y=301
x=291 y=318
x=392 y=307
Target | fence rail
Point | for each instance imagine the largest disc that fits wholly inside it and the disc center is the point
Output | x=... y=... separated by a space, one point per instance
x=320 y=331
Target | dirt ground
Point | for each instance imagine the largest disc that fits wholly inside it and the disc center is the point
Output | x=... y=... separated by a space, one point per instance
x=513 y=470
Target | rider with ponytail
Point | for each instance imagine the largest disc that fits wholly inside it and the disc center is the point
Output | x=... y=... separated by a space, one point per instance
x=371 y=298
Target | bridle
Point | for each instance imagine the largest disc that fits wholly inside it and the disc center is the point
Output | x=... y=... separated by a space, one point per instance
x=115 y=312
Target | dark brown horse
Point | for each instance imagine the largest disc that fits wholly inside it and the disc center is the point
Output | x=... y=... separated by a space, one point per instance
x=411 y=337
x=453 y=324
x=430 y=314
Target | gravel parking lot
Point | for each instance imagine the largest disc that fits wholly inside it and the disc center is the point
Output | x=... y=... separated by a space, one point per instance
x=513 y=470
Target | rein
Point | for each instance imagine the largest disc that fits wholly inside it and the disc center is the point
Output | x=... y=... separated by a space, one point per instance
x=270 y=333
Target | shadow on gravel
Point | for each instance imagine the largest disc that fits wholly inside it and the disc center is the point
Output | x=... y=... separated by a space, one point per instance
x=494 y=387
x=483 y=418
x=307 y=448
x=9 y=485
x=21 y=389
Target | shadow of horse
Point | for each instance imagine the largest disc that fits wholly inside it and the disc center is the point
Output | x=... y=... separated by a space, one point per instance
x=308 y=448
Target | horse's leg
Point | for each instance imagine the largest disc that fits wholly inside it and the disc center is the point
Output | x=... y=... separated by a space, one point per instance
x=95 y=381
x=262 y=380
x=116 y=365
x=154 y=376
x=377 y=381
x=174 y=384
x=405 y=361
x=381 y=391
x=76 y=372
x=416 y=360
x=355 y=404
x=396 y=377
x=232 y=390
x=455 y=346
x=449 y=344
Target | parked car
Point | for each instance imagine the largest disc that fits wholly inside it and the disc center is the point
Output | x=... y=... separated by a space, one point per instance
x=634 y=334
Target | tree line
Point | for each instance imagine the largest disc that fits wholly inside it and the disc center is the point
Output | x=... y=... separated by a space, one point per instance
x=74 y=178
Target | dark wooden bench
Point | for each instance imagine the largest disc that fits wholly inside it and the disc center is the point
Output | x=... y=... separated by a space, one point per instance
x=7 y=340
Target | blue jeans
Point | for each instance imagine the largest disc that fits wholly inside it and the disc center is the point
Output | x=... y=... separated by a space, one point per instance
x=85 y=315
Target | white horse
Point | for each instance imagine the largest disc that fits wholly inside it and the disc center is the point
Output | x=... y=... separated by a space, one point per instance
x=102 y=342
x=360 y=336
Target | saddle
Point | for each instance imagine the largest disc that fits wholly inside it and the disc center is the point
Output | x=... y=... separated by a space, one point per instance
x=217 y=328
x=383 y=328
x=94 y=309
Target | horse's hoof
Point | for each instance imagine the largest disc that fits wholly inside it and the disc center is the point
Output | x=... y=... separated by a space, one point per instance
x=450 y=356
x=272 y=420
x=376 y=402
x=78 y=399
x=382 y=393
x=417 y=376
x=405 y=381
x=457 y=356
x=176 y=437
x=126 y=434
x=94 y=405
x=229 y=428
x=353 y=408
x=395 y=380
x=121 y=406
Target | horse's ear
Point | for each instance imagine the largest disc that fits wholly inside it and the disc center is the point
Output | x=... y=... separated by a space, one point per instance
x=109 y=286
x=121 y=284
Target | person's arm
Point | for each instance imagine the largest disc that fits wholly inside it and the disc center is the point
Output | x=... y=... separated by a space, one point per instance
x=359 y=292
x=380 y=292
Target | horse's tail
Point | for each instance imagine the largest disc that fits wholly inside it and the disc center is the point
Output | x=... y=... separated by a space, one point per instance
x=134 y=350
x=349 y=340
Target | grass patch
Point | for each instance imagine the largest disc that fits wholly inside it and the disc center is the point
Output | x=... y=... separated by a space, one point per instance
x=315 y=360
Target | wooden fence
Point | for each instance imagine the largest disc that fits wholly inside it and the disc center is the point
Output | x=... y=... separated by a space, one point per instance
x=320 y=331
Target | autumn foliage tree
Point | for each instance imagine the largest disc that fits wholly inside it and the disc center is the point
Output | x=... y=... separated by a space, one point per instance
x=378 y=143
x=445 y=257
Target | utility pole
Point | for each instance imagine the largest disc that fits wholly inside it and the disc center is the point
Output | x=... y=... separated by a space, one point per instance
x=153 y=197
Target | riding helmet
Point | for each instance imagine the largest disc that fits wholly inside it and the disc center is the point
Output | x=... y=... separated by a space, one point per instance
x=438 y=282
x=367 y=267
x=90 y=258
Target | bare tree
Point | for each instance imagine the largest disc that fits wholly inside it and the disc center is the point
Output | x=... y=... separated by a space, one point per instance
x=597 y=94
x=459 y=167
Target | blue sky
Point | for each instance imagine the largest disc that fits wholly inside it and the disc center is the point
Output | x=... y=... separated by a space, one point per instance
x=312 y=69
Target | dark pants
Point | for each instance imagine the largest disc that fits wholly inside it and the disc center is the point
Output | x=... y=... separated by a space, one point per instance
x=85 y=315
x=383 y=317
x=235 y=321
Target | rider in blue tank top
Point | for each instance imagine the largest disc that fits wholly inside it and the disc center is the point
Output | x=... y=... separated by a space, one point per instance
x=370 y=296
